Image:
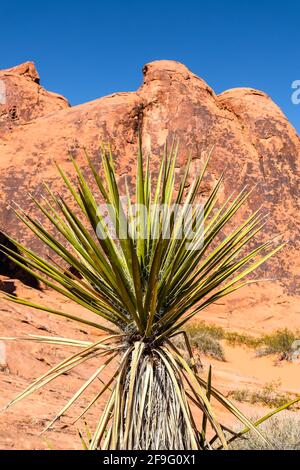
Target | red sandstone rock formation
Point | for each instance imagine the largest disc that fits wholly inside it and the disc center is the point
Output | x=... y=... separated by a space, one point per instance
x=24 y=99
x=254 y=142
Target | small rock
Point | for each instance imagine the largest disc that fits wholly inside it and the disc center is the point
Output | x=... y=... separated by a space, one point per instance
x=3 y=363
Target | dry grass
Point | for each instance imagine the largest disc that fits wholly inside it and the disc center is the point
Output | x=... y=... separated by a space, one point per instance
x=280 y=342
x=206 y=338
x=269 y=395
x=282 y=430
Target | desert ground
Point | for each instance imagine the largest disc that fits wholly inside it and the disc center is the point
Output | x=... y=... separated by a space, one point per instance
x=21 y=425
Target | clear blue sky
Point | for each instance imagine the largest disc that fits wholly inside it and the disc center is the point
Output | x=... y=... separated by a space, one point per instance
x=87 y=49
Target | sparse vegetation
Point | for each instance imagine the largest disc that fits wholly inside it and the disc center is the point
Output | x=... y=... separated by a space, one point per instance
x=205 y=338
x=240 y=339
x=283 y=431
x=269 y=395
x=214 y=331
x=280 y=342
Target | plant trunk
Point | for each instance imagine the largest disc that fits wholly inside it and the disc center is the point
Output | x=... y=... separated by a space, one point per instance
x=150 y=415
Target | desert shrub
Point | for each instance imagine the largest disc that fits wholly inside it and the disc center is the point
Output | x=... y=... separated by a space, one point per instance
x=239 y=394
x=205 y=338
x=239 y=339
x=283 y=431
x=279 y=342
x=214 y=331
x=269 y=395
x=209 y=346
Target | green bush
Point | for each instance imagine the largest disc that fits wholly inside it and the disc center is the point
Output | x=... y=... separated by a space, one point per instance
x=205 y=338
x=268 y=395
x=279 y=342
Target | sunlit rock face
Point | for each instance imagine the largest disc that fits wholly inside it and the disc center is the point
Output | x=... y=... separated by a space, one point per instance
x=253 y=143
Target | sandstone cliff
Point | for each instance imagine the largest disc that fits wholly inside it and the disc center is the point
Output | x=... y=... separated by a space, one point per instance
x=254 y=142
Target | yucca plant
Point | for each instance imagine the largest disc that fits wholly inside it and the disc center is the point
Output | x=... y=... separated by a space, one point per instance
x=142 y=283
